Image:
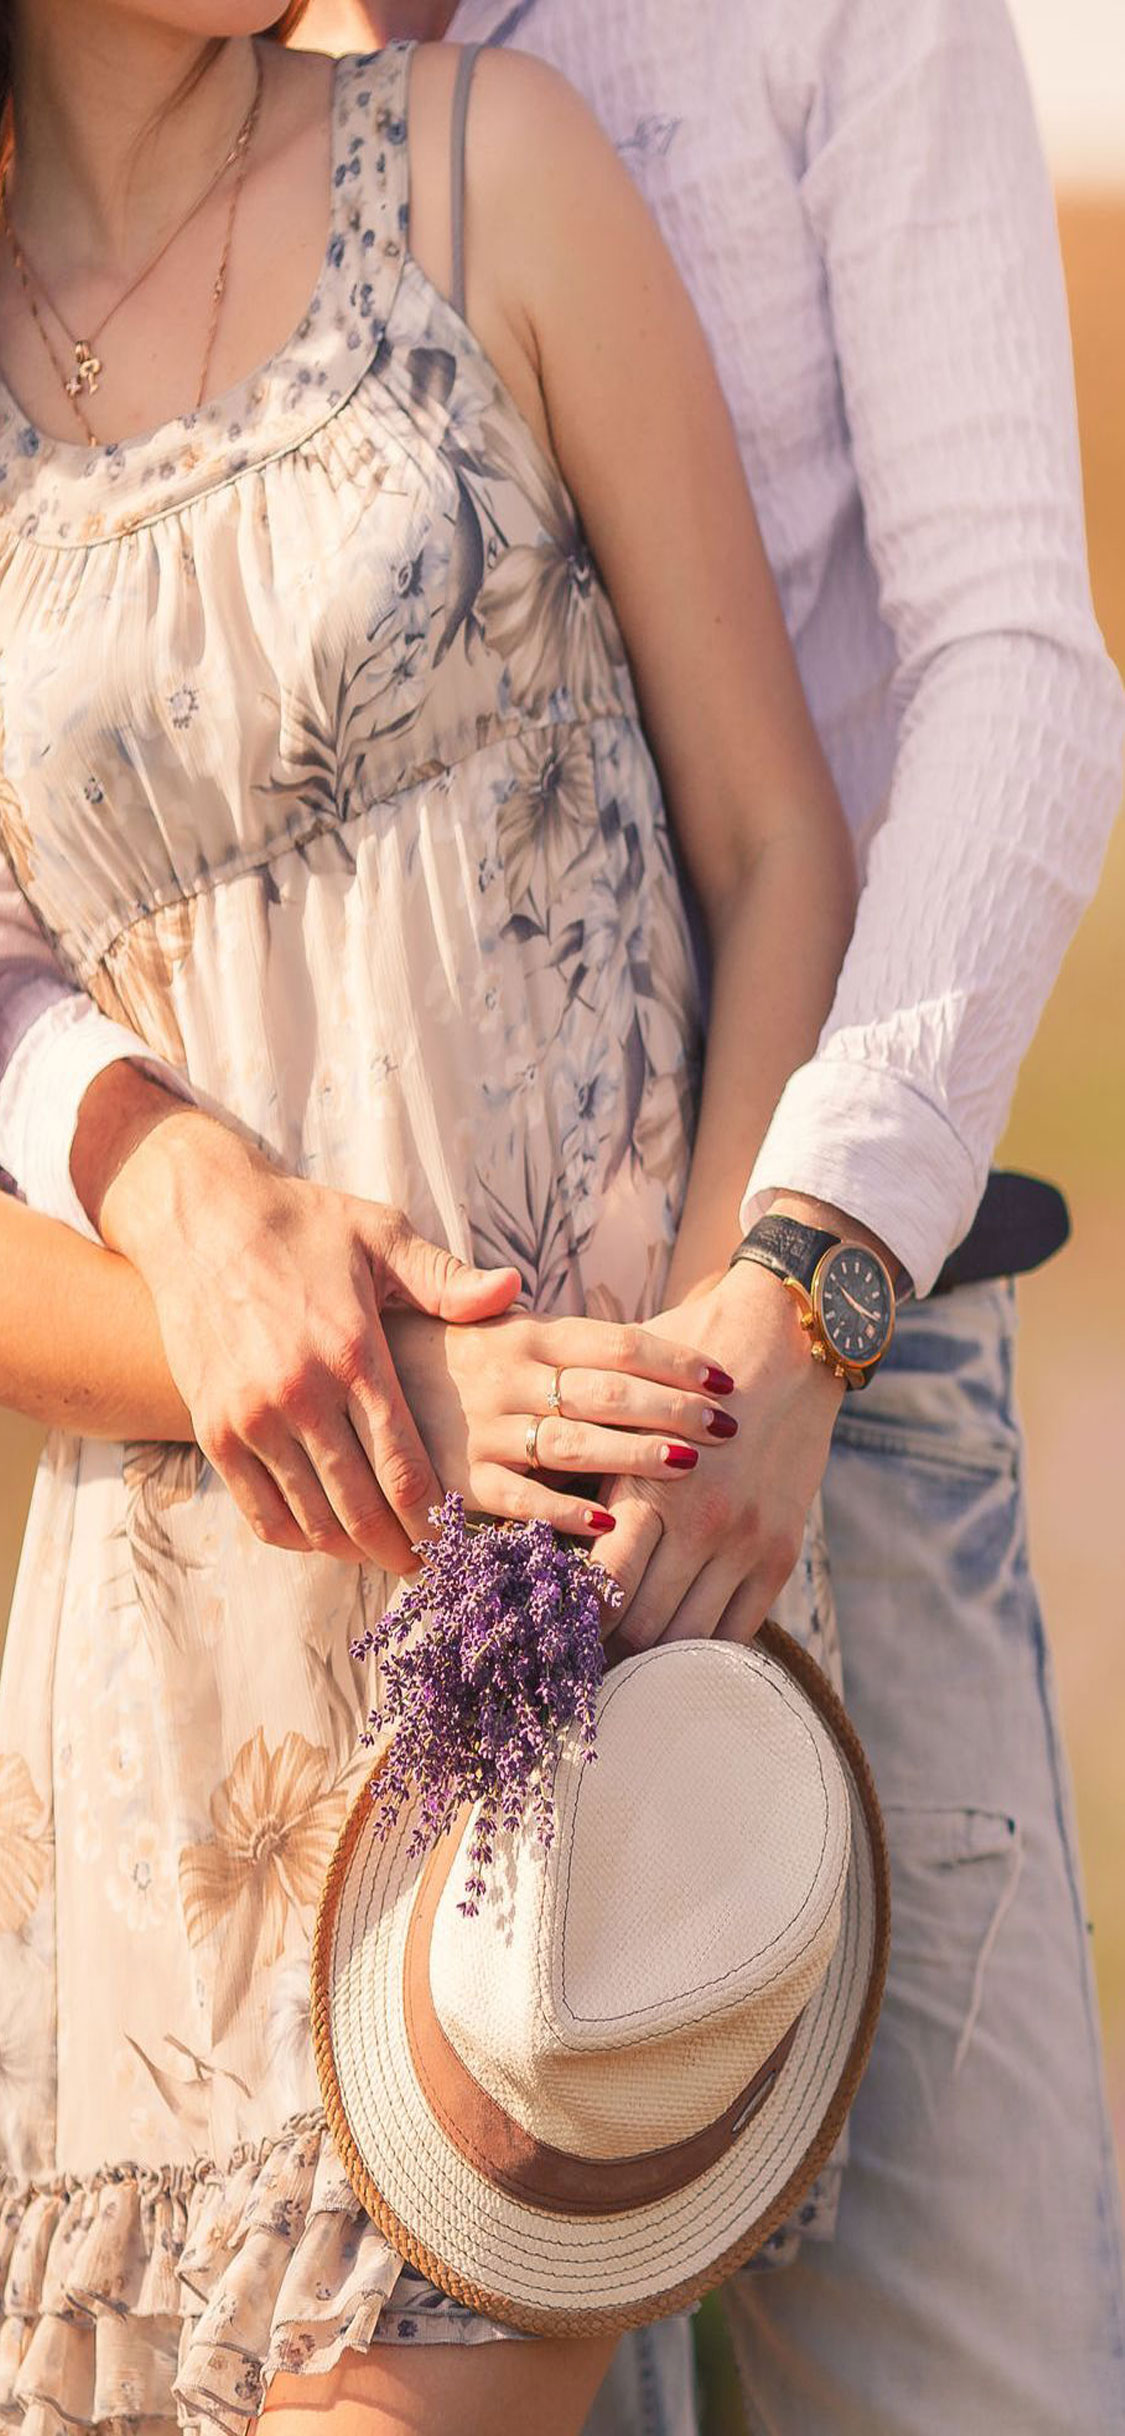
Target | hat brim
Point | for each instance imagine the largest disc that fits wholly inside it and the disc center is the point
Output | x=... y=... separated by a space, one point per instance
x=571 y=2275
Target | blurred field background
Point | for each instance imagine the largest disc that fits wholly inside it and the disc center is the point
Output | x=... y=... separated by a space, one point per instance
x=1068 y=1121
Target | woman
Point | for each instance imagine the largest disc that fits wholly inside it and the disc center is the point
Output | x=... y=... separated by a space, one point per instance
x=323 y=768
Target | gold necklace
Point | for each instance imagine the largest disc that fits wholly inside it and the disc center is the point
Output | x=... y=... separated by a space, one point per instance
x=87 y=365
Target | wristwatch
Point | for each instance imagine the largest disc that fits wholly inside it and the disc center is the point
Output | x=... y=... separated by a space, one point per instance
x=846 y=1292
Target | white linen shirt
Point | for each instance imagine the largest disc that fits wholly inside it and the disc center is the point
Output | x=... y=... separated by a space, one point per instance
x=856 y=196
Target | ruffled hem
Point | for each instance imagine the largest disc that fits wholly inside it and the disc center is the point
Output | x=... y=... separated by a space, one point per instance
x=150 y=2297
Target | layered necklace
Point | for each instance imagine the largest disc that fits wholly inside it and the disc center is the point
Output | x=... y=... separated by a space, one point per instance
x=83 y=380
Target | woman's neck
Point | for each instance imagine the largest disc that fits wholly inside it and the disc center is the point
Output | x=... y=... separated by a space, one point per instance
x=354 y=25
x=102 y=165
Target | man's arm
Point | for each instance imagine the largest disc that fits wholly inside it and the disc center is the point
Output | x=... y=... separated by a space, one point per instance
x=927 y=190
x=926 y=187
x=53 y=1042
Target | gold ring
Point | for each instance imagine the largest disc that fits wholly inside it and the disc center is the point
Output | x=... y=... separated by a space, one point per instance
x=531 y=1441
x=554 y=1394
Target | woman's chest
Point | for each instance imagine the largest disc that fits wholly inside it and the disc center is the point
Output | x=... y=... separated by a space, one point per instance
x=199 y=695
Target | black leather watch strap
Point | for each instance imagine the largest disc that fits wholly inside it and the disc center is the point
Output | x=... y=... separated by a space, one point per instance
x=787 y=1246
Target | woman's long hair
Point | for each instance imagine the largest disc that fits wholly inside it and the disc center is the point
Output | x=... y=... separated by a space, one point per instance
x=279 y=31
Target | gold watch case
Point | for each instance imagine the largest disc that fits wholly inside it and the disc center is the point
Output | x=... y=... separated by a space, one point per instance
x=853 y=1374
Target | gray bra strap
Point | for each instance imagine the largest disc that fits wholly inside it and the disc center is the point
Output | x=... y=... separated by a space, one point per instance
x=465 y=66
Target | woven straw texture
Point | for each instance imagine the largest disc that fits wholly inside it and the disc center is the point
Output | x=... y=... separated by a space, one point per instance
x=554 y=2274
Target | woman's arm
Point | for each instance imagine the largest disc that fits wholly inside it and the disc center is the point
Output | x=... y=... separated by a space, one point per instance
x=80 y=1348
x=79 y=1097
x=79 y=1339
x=640 y=428
x=568 y=276
x=583 y=306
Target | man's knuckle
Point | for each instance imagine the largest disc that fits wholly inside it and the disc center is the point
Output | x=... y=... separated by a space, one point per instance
x=294 y=1390
x=783 y=1547
x=352 y=1359
x=404 y=1479
x=367 y=1518
x=636 y=1632
x=627 y=1570
x=253 y=1414
x=324 y=1538
x=389 y=1223
x=221 y=1439
x=714 y=1516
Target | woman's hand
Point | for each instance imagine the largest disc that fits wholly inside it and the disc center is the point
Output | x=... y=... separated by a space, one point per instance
x=268 y=1292
x=713 y=1567
x=633 y=1404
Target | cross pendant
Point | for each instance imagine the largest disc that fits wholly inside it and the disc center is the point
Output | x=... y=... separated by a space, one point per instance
x=86 y=369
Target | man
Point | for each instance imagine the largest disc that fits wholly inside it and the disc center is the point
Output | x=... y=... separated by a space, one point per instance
x=855 y=195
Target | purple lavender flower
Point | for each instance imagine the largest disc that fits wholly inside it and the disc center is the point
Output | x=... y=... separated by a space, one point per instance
x=504 y=1654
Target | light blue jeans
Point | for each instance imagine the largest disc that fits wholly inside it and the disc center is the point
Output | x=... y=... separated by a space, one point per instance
x=974 y=2285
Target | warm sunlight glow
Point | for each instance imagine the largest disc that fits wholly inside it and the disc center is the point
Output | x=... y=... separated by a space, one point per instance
x=1075 y=53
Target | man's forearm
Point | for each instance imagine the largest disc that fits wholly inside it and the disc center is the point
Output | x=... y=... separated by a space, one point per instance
x=143 y=1161
x=1008 y=717
x=80 y=1345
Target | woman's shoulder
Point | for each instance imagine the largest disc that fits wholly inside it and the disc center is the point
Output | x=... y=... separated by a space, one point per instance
x=521 y=107
x=536 y=160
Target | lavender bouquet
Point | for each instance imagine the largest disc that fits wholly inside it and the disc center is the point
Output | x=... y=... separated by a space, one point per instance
x=508 y=1654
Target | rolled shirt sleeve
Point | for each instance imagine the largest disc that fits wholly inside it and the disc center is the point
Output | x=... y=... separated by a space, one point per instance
x=53 y=1042
x=929 y=198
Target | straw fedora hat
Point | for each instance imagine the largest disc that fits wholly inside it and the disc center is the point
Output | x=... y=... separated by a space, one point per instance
x=582 y=2108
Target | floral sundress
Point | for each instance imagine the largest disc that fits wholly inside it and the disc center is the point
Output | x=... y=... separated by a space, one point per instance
x=320 y=764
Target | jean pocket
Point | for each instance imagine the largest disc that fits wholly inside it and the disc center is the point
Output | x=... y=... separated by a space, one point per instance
x=943 y=1397
x=947 y=1439
x=955 y=1870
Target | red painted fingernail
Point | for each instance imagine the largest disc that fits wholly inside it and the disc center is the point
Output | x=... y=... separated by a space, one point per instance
x=680 y=1458
x=718 y=1382
x=599 y=1520
x=721 y=1425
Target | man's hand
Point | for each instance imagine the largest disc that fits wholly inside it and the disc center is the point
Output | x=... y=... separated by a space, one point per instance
x=709 y=1557
x=268 y=1291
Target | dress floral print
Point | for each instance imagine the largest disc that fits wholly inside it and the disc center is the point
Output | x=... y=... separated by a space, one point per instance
x=274 y=1820
x=24 y=1844
x=320 y=763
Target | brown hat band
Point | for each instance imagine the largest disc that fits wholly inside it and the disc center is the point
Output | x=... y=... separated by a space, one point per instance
x=499 y=2148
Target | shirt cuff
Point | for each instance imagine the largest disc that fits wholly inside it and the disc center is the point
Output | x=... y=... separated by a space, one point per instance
x=870 y=1143
x=41 y=1091
x=25 y=993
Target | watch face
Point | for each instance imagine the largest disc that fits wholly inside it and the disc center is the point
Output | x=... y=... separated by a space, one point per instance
x=856 y=1304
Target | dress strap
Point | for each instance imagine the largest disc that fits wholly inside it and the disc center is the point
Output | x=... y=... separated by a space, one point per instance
x=465 y=66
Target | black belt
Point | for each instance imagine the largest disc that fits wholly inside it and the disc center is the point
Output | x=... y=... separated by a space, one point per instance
x=1022 y=1221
